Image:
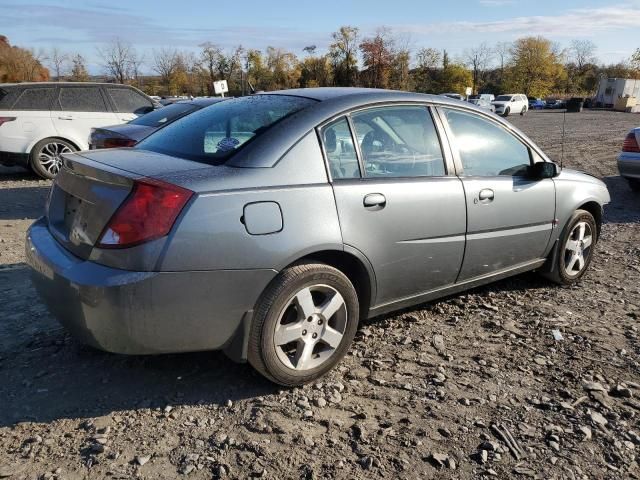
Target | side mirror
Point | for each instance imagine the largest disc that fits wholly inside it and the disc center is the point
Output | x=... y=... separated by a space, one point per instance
x=542 y=170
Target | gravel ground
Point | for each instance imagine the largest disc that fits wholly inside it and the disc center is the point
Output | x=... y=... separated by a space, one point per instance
x=471 y=386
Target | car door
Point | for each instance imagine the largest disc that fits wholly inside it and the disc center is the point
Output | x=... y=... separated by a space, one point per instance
x=396 y=202
x=128 y=103
x=510 y=216
x=77 y=110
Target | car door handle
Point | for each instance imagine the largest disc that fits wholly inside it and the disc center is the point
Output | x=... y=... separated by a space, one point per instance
x=485 y=195
x=373 y=200
x=65 y=117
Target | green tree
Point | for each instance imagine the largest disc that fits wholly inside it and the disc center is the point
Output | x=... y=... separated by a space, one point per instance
x=344 y=56
x=535 y=68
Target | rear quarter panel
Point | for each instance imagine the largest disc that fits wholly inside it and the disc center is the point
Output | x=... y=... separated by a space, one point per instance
x=29 y=127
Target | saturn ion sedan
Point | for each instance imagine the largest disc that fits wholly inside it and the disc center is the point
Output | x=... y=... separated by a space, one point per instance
x=270 y=225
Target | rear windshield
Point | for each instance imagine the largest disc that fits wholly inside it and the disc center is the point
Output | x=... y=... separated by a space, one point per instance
x=164 y=115
x=473 y=97
x=503 y=98
x=215 y=133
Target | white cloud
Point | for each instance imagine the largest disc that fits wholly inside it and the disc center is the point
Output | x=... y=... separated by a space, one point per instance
x=575 y=22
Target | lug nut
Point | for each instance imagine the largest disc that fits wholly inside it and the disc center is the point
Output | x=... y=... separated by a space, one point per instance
x=320 y=322
x=315 y=335
x=310 y=319
x=304 y=332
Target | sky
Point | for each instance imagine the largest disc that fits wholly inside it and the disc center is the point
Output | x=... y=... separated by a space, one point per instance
x=83 y=26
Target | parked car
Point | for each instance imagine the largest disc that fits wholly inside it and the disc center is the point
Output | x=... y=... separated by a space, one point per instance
x=512 y=103
x=554 y=104
x=483 y=100
x=128 y=134
x=536 y=104
x=629 y=159
x=41 y=121
x=259 y=225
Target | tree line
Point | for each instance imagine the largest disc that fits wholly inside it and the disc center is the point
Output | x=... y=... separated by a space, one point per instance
x=534 y=66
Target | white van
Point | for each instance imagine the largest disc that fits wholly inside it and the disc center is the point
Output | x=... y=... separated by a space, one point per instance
x=511 y=103
x=41 y=121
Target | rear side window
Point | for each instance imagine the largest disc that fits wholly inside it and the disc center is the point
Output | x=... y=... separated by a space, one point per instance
x=486 y=149
x=398 y=142
x=35 y=99
x=127 y=100
x=82 y=99
x=164 y=115
x=341 y=154
x=215 y=133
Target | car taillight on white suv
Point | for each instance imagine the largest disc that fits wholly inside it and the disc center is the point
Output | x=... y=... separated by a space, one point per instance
x=147 y=213
x=631 y=143
x=6 y=119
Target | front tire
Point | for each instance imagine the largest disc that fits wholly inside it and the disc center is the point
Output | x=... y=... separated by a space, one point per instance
x=523 y=111
x=576 y=247
x=46 y=156
x=303 y=324
x=507 y=111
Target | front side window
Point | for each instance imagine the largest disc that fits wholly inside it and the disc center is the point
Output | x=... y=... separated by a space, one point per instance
x=214 y=134
x=486 y=149
x=81 y=99
x=341 y=154
x=35 y=99
x=129 y=101
x=398 y=142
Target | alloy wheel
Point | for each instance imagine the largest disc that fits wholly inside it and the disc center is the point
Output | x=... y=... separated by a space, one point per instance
x=577 y=248
x=50 y=156
x=311 y=327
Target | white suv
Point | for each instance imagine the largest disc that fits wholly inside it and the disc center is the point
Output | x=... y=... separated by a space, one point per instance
x=512 y=103
x=40 y=121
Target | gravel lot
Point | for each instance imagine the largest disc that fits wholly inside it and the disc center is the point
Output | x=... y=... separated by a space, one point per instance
x=471 y=386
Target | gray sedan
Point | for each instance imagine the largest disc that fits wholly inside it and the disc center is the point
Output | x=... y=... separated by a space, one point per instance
x=270 y=225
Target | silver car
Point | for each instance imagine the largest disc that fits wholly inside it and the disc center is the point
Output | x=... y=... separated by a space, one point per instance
x=270 y=225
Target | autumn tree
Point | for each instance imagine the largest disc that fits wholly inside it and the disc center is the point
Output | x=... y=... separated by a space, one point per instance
x=635 y=59
x=21 y=65
x=283 y=68
x=78 y=70
x=343 y=52
x=58 y=61
x=116 y=59
x=535 y=67
x=315 y=71
x=377 y=58
x=502 y=50
x=165 y=64
x=428 y=60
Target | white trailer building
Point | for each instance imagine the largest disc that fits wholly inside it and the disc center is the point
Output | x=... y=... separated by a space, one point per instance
x=611 y=89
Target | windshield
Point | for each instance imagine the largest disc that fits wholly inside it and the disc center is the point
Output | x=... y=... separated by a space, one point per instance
x=473 y=97
x=215 y=133
x=164 y=115
x=503 y=98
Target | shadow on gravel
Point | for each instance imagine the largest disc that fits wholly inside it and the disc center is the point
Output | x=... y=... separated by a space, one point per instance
x=625 y=203
x=22 y=202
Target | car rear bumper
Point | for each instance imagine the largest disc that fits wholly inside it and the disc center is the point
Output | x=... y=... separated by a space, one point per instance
x=629 y=165
x=141 y=312
x=10 y=159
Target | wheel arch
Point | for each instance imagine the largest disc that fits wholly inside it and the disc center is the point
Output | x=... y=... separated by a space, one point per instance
x=54 y=137
x=355 y=266
x=595 y=209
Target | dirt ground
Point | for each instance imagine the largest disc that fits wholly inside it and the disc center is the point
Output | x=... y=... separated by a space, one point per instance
x=472 y=386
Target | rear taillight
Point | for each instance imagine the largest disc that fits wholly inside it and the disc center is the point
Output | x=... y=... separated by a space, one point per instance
x=6 y=119
x=118 y=142
x=631 y=143
x=101 y=138
x=148 y=213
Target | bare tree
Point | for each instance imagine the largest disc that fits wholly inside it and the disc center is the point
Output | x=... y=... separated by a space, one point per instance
x=135 y=63
x=58 y=61
x=502 y=51
x=582 y=52
x=478 y=58
x=79 y=70
x=116 y=58
x=165 y=63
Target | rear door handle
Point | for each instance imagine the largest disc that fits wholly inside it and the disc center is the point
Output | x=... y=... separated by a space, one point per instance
x=485 y=195
x=373 y=200
x=65 y=117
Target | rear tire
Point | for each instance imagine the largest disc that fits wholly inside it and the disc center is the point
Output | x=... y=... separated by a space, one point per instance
x=576 y=246
x=507 y=111
x=45 y=158
x=634 y=184
x=303 y=324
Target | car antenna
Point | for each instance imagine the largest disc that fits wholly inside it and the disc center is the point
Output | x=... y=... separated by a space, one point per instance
x=564 y=121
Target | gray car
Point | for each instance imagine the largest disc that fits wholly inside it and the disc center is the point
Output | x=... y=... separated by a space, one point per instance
x=269 y=225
